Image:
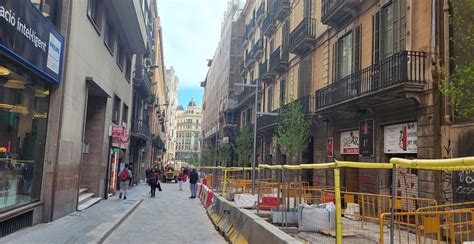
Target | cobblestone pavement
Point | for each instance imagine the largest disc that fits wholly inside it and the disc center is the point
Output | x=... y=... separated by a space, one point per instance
x=88 y=226
x=171 y=217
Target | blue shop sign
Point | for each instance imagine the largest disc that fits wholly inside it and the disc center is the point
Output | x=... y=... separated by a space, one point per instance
x=32 y=39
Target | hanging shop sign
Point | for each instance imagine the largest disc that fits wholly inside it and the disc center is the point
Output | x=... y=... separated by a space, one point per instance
x=119 y=136
x=400 y=138
x=366 y=135
x=350 y=142
x=30 y=38
x=330 y=147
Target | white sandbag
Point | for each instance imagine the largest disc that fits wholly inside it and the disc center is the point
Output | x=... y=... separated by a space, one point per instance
x=352 y=211
x=245 y=200
x=279 y=216
x=320 y=218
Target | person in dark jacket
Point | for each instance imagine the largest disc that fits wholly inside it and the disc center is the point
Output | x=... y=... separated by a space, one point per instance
x=153 y=180
x=193 y=178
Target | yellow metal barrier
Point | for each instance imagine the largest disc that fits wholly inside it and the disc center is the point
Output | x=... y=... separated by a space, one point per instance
x=430 y=227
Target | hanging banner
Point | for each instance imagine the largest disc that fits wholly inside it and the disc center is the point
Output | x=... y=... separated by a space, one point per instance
x=330 y=147
x=400 y=138
x=350 y=142
x=366 y=134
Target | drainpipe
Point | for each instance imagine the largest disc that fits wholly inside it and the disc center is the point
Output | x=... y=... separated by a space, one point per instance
x=447 y=71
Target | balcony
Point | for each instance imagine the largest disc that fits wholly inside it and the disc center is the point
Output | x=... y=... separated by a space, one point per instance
x=335 y=12
x=279 y=61
x=307 y=107
x=268 y=26
x=391 y=79
x=243 y=70
x=263 y=72
x=303 y=37
x=282 y=9
x=257 y=49
x=140 y=129
x=260 y=13
x=143 y=82
x=246 y=94
x=249 y=28
x=249 y=60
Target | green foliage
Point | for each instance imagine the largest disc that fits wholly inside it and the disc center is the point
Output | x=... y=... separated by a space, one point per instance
x=194 y=160
x=224 y=153
x=459 y=85
x=292 y=132
x=243 y=146
x=207 y=156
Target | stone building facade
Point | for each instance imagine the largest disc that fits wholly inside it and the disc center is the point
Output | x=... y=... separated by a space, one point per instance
x=188 y=133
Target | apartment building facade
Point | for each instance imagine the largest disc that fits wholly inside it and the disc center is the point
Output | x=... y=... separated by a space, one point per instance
x=365 y=74
x=219 y=104
x=172 y=83
x=159 y=130
x=188 y=133
x=79 y=135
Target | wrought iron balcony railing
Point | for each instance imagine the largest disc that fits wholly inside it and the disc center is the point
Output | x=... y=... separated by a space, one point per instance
x=400 y=68
x=140 y=128
x=257 y=49
x=336 y=11
x=282 y=9
x=260 y=12
x=246 y=93
x=268 y=25
x=303 y=37
x=279 y=60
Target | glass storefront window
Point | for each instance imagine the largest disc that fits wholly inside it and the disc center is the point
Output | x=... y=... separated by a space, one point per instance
x=24 y=103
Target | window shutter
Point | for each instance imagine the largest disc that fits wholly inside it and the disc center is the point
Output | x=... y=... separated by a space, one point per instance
x=335 y=68
x=376 y=38
x=402 y=23
x=304 y=78
x=357 y=48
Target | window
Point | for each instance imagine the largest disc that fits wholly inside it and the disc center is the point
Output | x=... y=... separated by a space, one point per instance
x=125 y=115
x=387 y=31
x=116 y=110
x=344 y=50
x=128 y=67
x=120 y=57
x=24 y=103
x=94 y=13
x=282 y=92
x=109 y=36
x=270 y=100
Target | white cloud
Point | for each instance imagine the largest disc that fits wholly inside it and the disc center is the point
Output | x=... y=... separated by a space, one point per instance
x=191 y=32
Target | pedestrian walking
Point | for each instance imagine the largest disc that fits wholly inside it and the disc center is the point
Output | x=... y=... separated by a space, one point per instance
x=130 y=175
x=181 y=178
x=193 y=178
x=153 y=179
x=123 y=181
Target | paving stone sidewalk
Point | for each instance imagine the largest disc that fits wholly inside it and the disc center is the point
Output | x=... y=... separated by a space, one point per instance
x=171 y=217
x=88 y=226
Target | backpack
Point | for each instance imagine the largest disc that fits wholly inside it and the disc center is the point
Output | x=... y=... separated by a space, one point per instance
x=124 y=175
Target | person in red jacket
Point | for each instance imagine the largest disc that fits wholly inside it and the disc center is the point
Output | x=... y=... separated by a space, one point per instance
x=181 y=179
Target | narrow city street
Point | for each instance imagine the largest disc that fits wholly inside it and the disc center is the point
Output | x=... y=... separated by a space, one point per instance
x=171 y=217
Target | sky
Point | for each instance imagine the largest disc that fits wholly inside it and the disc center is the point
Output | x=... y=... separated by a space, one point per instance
x=191 y=32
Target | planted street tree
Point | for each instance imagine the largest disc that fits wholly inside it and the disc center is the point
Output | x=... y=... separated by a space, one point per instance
x=224 y=153
x=207 y=156
x=292 y=132
x=459 y=83
x=243 y=146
